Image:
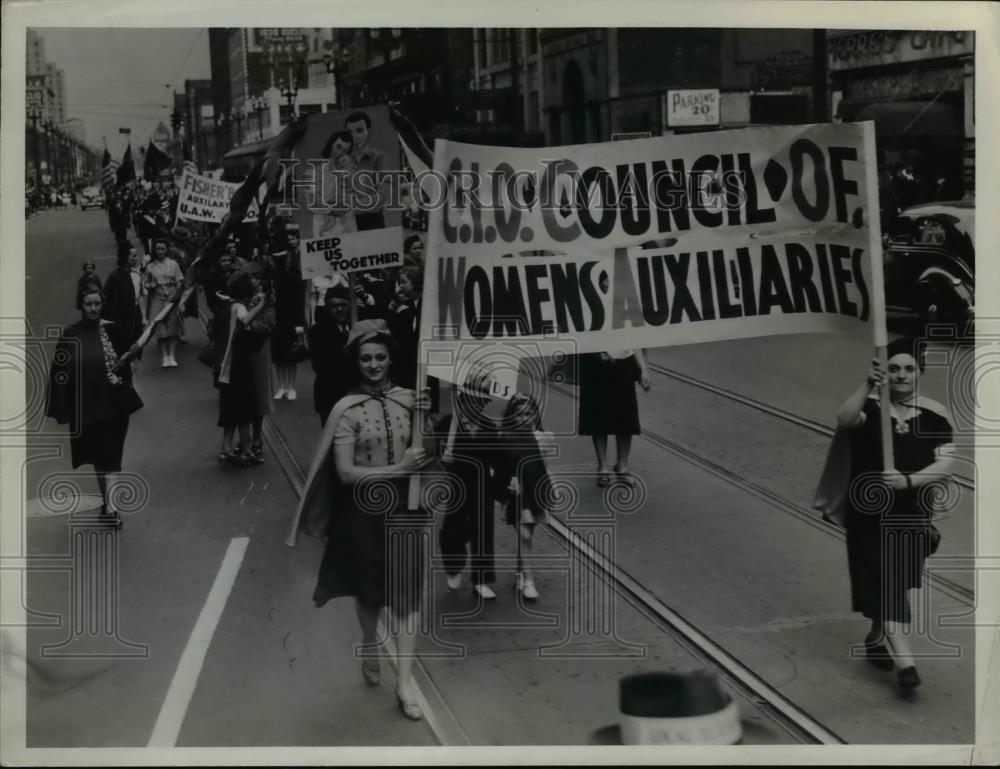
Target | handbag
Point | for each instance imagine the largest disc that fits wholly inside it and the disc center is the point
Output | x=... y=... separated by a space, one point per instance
x=299 y=351
x=208 y=355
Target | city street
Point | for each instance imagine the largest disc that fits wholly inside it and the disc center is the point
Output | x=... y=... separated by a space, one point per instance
x=718 y=562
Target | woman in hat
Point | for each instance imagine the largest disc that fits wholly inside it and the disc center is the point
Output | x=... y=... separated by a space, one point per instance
x=91 y=392
x=162 y=278
x=356 y=496
x=888 y=543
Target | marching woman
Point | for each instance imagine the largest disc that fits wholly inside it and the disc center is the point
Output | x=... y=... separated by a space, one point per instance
x=88 y=391
x=608 y=406
x=520 y=466
x=261 y=326
x=290 y=320
x=356 y=496
x=466 y=533
x=234 y=373
x=123 y=292
x=886 y=547
x=162 y=279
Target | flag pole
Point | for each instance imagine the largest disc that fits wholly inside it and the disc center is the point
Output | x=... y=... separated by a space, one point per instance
x=354 y=298
x=881 y=336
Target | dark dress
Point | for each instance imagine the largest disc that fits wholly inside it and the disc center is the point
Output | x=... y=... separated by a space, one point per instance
x=120 y=305
x=470 y=520
x=375 y=547
x=82 y=393
x=404 y=325
x=335 y=372
x=607 y=403
x=289 y=304
x=238 y=395
x=886 y=549
x=518 y=454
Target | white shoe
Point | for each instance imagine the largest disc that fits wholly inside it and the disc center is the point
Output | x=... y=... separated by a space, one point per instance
x=454 y=581
x=173 y=362
x=528 y=589
x=165 y=362
x=485 y=592
x=279 y=395
x=291 y=395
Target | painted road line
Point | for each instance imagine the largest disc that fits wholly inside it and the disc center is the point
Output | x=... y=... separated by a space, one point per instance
x=175 y=705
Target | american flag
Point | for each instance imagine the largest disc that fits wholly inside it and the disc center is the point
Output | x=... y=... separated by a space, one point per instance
x=109 y=167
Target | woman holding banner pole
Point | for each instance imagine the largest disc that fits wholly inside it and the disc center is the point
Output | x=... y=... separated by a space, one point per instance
x=356 y=497
x=888 y=520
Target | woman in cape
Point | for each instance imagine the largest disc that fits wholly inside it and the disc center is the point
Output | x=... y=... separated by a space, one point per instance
x=90 y=392
x=888 y=543
x=356 y=496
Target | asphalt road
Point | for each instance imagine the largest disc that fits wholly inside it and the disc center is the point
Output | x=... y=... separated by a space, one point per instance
x=767 y=585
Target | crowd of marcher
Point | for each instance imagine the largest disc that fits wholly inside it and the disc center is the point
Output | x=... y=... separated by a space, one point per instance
x=265 y=320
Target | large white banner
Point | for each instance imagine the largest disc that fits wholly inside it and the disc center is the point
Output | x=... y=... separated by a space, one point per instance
x=665 y=241
x=204 y=199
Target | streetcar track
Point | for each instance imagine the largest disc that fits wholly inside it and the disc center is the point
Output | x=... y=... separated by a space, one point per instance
x=772 y=703
x=946 y=586
x=787 y=416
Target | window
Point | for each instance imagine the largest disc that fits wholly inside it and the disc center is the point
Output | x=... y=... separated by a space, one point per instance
x=481 y=44
x=535 y=110
x=531 y=47
x=503 y=45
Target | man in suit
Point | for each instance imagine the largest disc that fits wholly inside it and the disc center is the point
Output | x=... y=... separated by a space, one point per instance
x=335 y=374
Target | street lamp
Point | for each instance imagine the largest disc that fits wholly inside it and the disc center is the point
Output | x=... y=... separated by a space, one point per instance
x=336 y=63
x=289 y=91
x=238 y=118
x=259 y=105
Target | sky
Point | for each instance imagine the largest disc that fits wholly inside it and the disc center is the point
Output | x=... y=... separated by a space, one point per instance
x=119 y=77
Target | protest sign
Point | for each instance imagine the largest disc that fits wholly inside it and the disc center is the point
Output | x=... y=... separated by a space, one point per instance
x=648 y=243
x=338 y=179
x=352 y=252
x=203 y=199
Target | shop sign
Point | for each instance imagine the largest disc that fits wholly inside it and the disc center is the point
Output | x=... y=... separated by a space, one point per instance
x=691 y=107
x=878 y=47
x=621 y=136
x=786 y=69
x=904 y=85
x=490 y=98
x=563 y=44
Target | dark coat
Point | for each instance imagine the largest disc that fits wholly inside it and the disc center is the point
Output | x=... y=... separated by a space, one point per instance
x=405 y=328
x=120 y=306
x=80 y=392
x=335 y=373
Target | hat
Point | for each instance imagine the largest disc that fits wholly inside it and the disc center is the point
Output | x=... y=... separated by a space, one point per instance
x=365 y=330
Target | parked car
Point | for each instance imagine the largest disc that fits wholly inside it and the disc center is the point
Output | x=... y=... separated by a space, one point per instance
x=930 y=262
x=91 y=197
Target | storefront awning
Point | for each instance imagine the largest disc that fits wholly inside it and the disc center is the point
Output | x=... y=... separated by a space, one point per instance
x=907 y=118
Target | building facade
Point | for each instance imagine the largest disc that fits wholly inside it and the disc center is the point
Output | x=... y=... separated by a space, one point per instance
x=918 y=88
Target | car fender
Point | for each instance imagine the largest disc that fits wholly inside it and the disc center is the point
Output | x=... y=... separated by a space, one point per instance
x=938 y=273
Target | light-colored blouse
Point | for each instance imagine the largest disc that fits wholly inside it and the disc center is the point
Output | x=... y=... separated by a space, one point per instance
x=379 y=428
